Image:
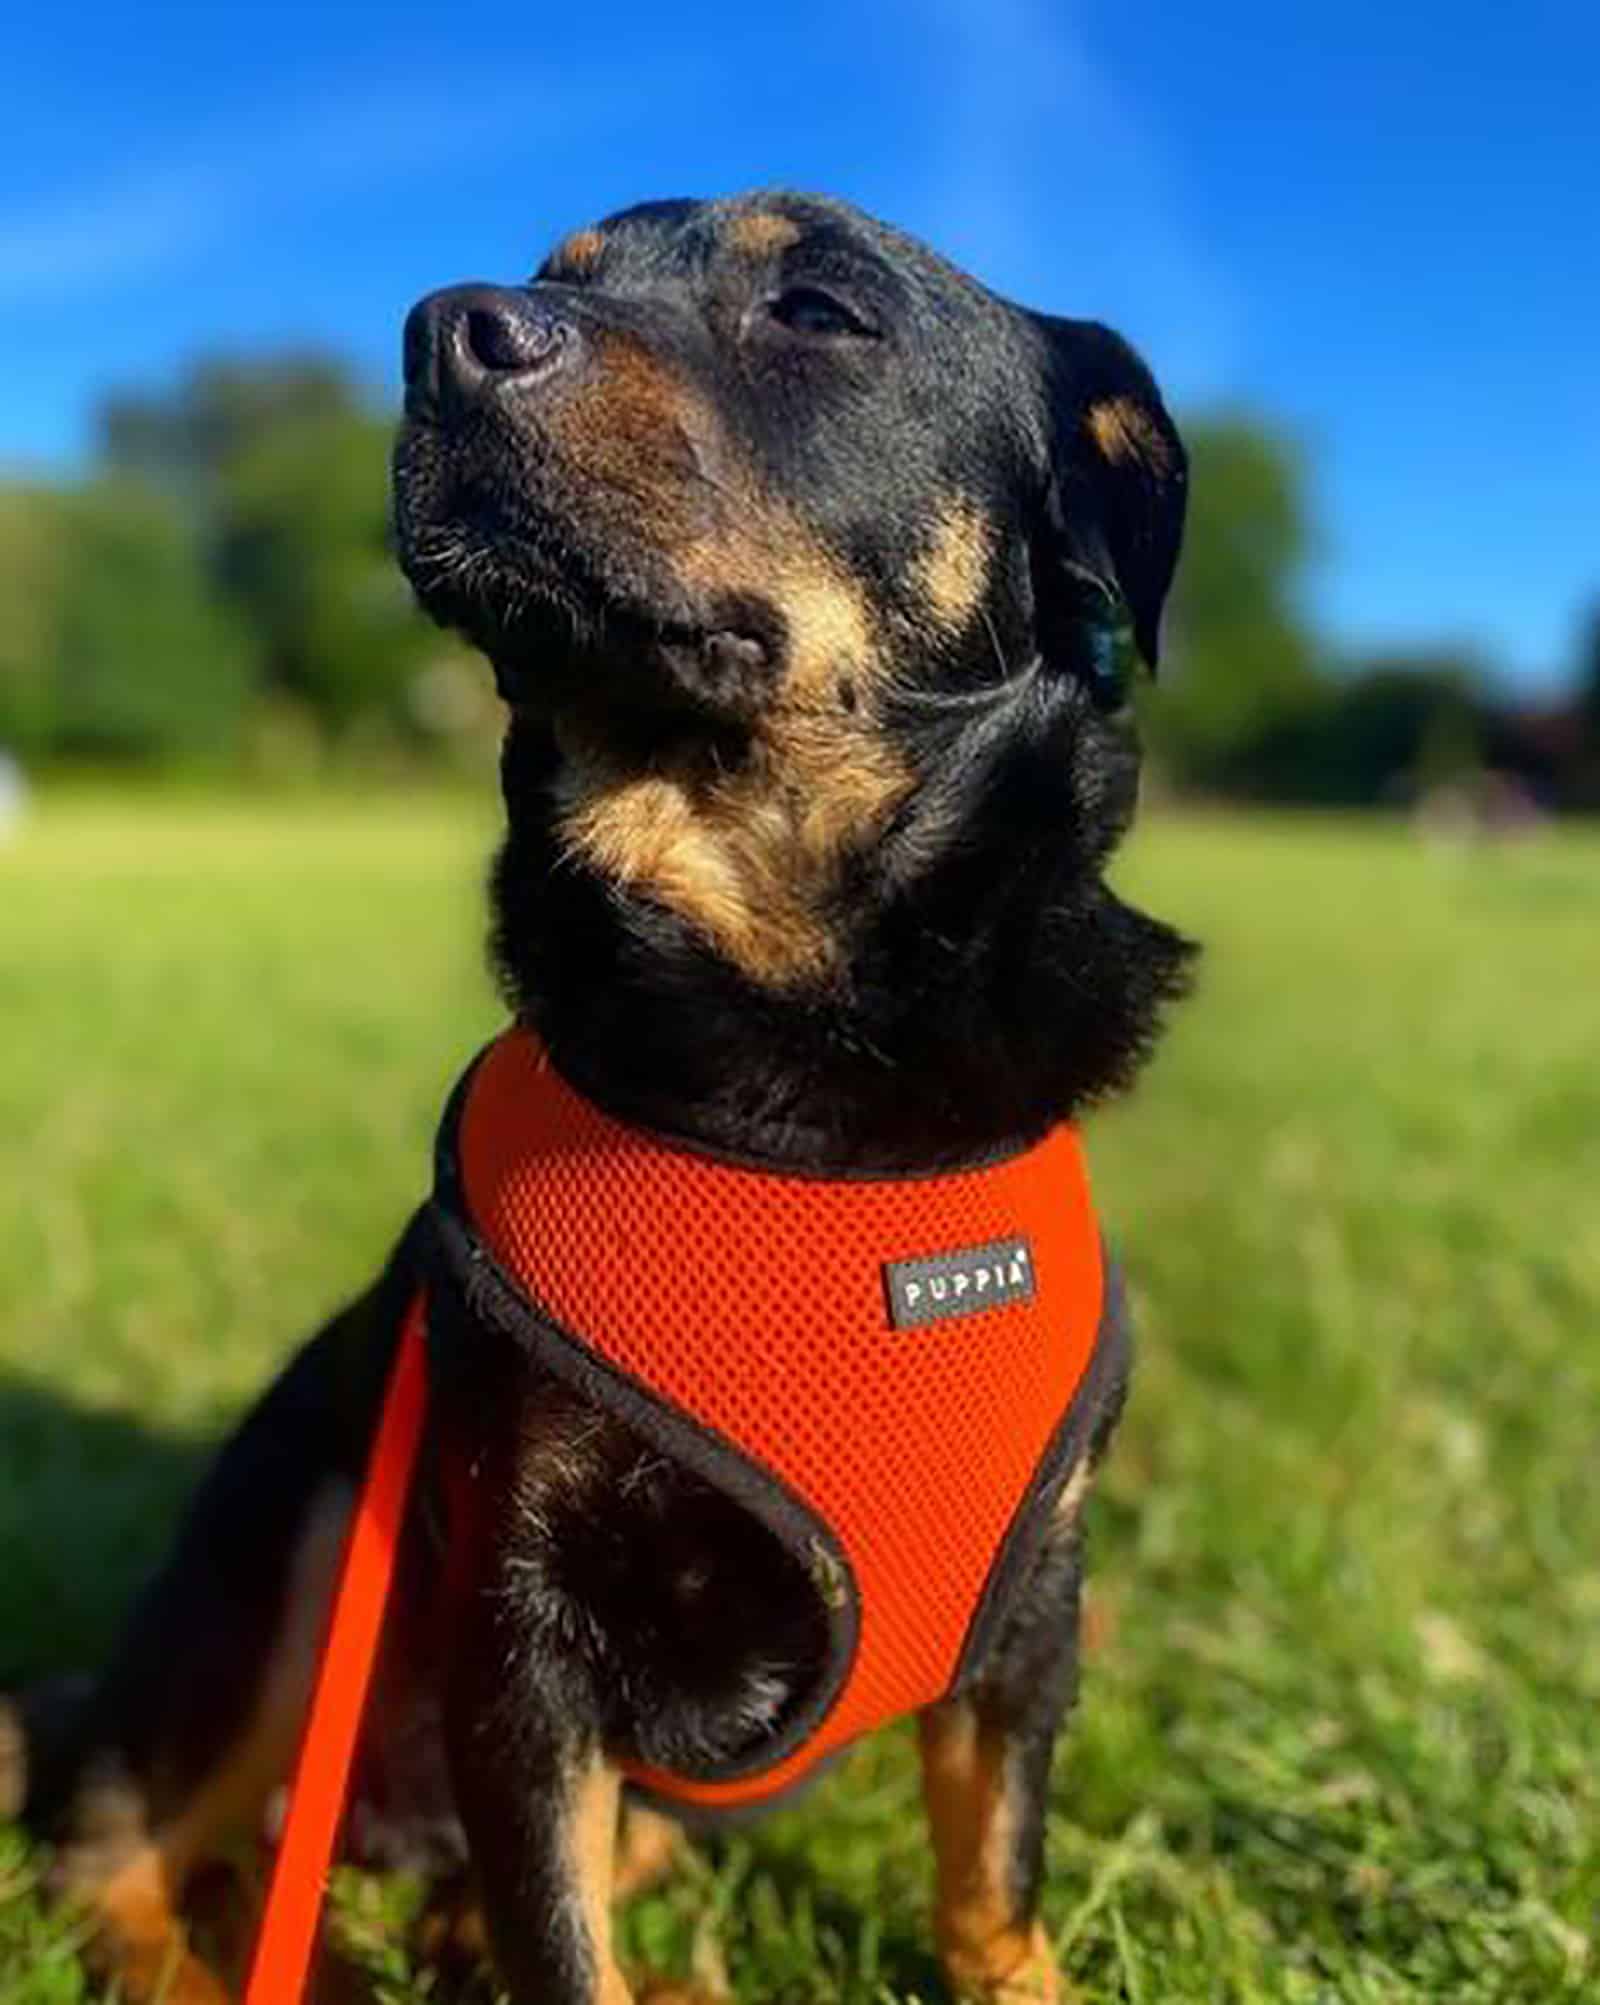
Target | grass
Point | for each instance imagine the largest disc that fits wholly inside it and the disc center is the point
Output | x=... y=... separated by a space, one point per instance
x=1340 y=1737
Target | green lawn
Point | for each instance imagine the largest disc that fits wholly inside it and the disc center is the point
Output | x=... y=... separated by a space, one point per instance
x=1341 y=1729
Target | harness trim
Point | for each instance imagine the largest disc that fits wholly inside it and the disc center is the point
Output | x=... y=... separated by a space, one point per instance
x=1104 y=1379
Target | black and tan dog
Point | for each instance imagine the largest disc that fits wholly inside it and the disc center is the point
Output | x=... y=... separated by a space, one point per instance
x=811 y=572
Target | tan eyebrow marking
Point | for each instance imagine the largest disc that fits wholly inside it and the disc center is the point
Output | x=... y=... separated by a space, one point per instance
x=759 y=232
x=580 y=252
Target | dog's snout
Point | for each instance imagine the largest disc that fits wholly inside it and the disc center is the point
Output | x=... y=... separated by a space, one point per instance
x=461 y=343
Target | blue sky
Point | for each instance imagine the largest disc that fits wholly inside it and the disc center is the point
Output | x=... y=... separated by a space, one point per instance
x=1379 y=222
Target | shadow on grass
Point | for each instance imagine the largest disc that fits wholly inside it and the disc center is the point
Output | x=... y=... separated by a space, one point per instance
x=88 y=1500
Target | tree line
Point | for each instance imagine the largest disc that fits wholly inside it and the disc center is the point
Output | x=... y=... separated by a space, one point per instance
x=218 y=591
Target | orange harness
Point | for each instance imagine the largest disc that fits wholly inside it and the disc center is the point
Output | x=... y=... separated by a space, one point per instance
x=893 y=1373
x=882 y=1369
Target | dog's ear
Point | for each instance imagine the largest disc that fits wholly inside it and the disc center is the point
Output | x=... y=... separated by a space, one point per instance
x=1115 y=488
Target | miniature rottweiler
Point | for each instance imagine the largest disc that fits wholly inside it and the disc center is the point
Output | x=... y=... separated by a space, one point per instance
x=812 y=574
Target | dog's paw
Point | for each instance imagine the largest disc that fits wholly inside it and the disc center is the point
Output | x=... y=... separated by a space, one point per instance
x=450 y=1934
x=1010 y=1968
x=170 y=1975
x=650 y=1846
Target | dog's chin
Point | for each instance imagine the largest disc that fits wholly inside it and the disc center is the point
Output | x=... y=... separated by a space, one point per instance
x=630 y=662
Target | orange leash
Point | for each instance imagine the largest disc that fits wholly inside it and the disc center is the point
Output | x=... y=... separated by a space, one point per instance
x=316 y=1800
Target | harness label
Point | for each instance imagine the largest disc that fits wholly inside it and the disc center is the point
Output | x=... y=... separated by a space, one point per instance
x=958 y=1284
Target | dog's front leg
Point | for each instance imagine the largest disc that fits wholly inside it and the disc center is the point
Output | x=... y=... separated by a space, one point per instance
x=540 y=1804
x=541 y=1817
x=540 y=1811
x=982 y=1791
x=986 y=1773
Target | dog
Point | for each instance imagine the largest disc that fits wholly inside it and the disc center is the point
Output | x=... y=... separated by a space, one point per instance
x=813 y=574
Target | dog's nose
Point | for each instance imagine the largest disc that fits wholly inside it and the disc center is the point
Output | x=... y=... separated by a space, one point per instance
x=461 y=342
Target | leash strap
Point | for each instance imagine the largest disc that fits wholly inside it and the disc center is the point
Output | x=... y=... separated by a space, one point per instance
x=316 y=1799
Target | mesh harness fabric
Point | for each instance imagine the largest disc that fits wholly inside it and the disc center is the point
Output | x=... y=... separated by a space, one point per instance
x=893 y=1373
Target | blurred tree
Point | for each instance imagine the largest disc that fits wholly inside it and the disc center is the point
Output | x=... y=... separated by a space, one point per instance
x=1589 y=672
x=234 y=559
x=1554 y=746
x=1241 y=653
x=185 y=441
x=1584 y=789
x=302 y=546
x=1371 y=736
x=284 y=466
x=142 y=662
x=32 y=561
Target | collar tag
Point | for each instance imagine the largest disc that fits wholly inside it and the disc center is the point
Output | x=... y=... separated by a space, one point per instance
x=958 y=1284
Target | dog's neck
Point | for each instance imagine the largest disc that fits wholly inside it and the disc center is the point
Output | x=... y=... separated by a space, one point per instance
x=983 y=984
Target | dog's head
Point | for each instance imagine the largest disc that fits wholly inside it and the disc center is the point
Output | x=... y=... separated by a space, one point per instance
x=737 y=494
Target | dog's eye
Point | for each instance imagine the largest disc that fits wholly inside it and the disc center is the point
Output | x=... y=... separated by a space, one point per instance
x=807 y=309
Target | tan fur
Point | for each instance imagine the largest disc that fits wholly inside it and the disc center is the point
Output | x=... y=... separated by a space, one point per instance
x=827 y=621
x=1123 y=430
x=747 y=857
x=642 y=437
x=972 y=1811
x=607 y=1869
x=578 y=254
x=1073 y=1492
x=131 y=1877
x=954 y=571
x=758 y=233
x=451 y=1929
x=646 y=1851
x=635 y=433
x=592 y=1833
x=750 y=855
x=143 y=1941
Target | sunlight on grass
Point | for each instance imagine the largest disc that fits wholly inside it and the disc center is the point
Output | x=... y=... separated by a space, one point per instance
x=1339 y=1734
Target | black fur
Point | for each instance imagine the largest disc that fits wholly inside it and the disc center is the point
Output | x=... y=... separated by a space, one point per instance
x=567 y=1591
x=996 y=985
